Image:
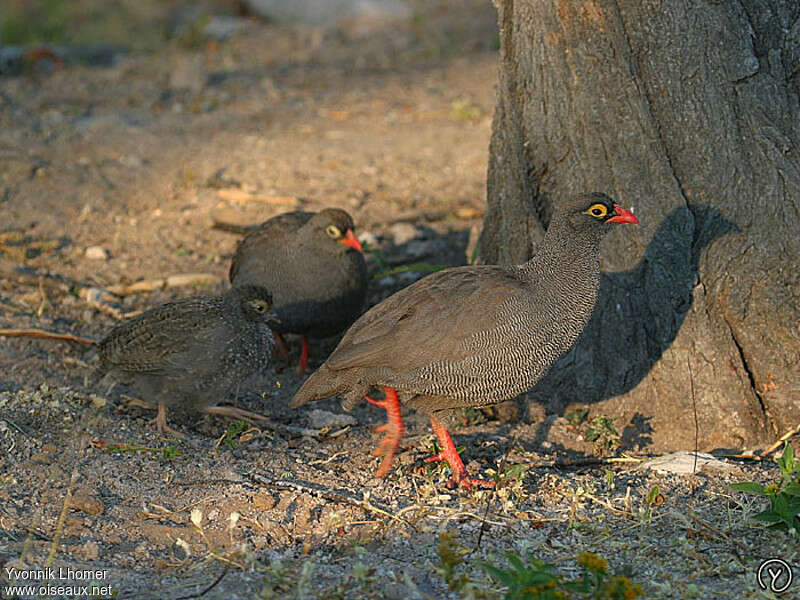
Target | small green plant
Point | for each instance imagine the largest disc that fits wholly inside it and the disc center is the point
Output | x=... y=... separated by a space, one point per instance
x=784 y=498
x=473 y=416
x=451 y=554
x=603 y=434
x=610 y=485
x=577 y=417
x=537 y=580
x=169 y=452
x=436 y=466
x=233 y=431
x=376 y=254
x=193 y=36
x=278 y=580
x=515 y=472
x=464 y=110
x=653 y=498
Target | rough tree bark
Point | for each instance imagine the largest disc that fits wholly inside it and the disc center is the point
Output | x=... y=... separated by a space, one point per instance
x=688 y=111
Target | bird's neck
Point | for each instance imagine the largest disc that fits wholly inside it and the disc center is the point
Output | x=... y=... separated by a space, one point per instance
x=564 y=255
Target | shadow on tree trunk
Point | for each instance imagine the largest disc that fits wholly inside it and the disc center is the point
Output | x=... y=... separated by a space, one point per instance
x=632 y=326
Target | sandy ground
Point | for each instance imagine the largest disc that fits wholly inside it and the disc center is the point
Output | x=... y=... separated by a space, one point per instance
x=139 y=160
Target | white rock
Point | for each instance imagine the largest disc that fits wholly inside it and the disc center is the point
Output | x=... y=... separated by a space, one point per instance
x=96 y=253
x=369 y=238
x=403 y=233
x=322 y=418
x=314 y=12
x=188 y=73
x=684 y=462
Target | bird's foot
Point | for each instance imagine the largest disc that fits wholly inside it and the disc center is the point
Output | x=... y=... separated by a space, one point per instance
x=449 y=453
x=161 y=423
x=393 y=430
x=234 y=413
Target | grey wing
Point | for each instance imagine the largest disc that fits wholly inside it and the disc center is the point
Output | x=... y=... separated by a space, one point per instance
x=146 y=343
x=269 y=233
x=446 y=314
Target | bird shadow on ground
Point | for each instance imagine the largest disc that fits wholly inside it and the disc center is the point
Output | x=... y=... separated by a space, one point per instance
x=637 y=317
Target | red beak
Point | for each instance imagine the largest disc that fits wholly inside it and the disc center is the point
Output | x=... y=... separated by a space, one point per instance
x=351 y=240
x=622 y=215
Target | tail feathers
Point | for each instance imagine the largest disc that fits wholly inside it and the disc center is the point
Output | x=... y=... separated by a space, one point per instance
x=321 y=384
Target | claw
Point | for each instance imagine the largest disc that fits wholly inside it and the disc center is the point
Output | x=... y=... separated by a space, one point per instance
x=450 y=454
x=161 y=423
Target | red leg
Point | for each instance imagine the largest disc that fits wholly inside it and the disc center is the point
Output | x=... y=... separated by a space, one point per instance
x=282 y=347
x=450 y=454
x=393 y=430
x=303 y=366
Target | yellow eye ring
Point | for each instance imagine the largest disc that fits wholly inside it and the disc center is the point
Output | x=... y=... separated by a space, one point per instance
x=333 y=231
x=259 y=306
x=597 y=210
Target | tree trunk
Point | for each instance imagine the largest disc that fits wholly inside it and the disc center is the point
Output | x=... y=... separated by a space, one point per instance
x=689 y=112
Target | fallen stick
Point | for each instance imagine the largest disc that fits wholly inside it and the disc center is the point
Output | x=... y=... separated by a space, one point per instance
x=85 y=292
x=229 y=227
x=47 y=335
x=241 y=196
x=320 y=491
x=762 y=454
x=784 y=438
x=173 y=281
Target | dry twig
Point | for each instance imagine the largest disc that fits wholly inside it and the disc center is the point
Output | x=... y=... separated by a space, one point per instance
x=47 y=335
x=240 y=196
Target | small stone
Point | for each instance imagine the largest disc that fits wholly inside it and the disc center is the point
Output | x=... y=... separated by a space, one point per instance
x=361 y=13
x=403 y=233
x=368 y=238
x=131 y=161
x=91 y=551
x=684 y=462
x=263 y=501
x=409 y=277
x=220 y=27
x=87 y=504
x=42 y=458
x=189 y=73
x=420 y=248
x=322 y=418
x=96 y=253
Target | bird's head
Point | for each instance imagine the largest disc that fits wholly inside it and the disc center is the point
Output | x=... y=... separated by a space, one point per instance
x=596 y=212
x=255 y=302
x=334 y=230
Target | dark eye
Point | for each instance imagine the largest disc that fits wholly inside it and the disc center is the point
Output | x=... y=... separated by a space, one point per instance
x=259 y=306
x=598 y=210
x=333 y=231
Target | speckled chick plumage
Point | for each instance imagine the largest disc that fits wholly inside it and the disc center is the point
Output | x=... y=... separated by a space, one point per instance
x=318 y=283
x=475 y=335
x=194 y=352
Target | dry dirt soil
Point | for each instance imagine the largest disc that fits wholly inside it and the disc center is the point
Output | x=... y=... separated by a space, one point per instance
x=139 y=160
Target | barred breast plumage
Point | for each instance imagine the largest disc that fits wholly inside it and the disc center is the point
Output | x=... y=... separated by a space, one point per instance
x=192 y=353
x=474 y=335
